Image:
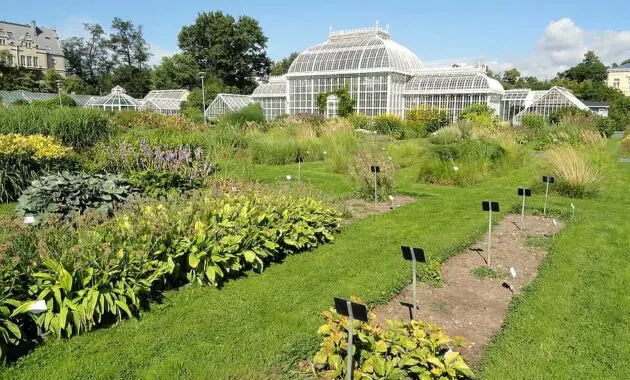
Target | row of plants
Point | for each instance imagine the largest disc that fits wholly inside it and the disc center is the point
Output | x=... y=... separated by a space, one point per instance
x=25 y=158
x=401 y=350
x=97 y=272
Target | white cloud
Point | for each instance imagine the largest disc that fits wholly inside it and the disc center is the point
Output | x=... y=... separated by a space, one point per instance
x=159 y=52
x=562 y=45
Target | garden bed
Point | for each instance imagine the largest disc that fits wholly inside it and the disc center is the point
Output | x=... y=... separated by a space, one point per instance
x=360 y=208
x=472 y=307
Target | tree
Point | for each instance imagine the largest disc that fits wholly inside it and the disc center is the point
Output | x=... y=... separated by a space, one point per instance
x=177 y=71
x=128 y=44
x=213 y=87
x=88 y=58
x=282 y=67
x=134 y=80
x=233 y=50
x=50 y=80
x=589 y=90
x=511 y=76
x=5 y=59
x=620 y=112
x=590 y=68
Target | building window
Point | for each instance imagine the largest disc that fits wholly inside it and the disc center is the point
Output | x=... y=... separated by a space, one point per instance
x=616 y=83
x=3 y=41
x=35 y=62
x=22 y=60
x=28 y=44
x=29 y=61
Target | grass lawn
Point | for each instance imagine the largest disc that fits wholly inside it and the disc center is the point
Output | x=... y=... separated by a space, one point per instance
x=7 y=208
x=572 y=323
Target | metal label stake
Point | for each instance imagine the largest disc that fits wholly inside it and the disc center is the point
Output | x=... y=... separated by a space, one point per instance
x=573 y=208
x=352 y=310
x=555 y=227
x=490 y=207
x=547 y=180
x=524 y=193
x=375 y=169
x=414 y=255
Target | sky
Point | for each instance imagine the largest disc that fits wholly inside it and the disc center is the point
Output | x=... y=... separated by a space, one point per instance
x=539 y=38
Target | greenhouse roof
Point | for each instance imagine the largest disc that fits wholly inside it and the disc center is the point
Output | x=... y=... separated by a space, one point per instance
x=452 y=81
x=358 y=50
x=161 y=104
x=116 y=99
x=179 y=95
x=81 y=100
x=516 y=94
x=276 y=87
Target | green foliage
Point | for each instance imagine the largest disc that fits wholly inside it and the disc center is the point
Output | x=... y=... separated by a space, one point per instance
x=72 y=194
x=345 y=105
x=533 y=121
x=431 y=119
x=232 y=49
x=624 y=147
x=620 y=112
x=579 y=171
x=159 y=184
x=606 y=126
x=591 y=68
x=447 y=135
x=477 y=110
x=252 y=113
x=360 y=121
x=364 y=179
x=483 y=273
x=388 y=124
x=282 y=67
x=430 y=273
x=403 y=350
x=79 y=128
x=66 y=101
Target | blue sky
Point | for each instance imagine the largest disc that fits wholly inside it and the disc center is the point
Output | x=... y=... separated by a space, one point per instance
x=538 y=37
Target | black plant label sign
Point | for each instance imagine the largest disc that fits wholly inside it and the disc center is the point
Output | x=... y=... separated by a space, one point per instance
x=487 y=206
x=526 y=192
x=359 y=311
x=547 y=179
x=410 y=252
x=299 y=159
x=375 y=169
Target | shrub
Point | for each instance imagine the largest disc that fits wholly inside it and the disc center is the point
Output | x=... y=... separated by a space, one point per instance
x=534 y=121
x=403 y=350
x=476 y=110
x=79 y=128
x=345 y=105
x=624 y=147
x=447 y=135
x=66 y=101
x=360 y=172
x=70 y=194
x=620 y=112
x=161 y=183
x=25 y=158
x=577 y=177
x=388 y=124
x=250 y=113
x=606 y=126
x=431 y=118
x=360 y=121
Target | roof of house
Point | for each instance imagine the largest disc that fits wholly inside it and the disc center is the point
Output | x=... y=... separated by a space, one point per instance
x=596 y=104
x=44 y=38
x=625 y=67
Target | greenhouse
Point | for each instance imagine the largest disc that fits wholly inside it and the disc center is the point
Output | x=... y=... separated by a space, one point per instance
x=227 y=103
x=166 y=102
x=545 y=103
x=117 y=100
x=453 y=89
x=272 y=96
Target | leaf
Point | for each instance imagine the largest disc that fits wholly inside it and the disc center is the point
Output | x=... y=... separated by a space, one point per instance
x=193 y=261
x=211 y=274
x=124 y=306
x=65 y=280
x=250 y=256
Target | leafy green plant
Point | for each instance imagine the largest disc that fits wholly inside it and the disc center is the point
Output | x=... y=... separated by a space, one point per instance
x=430 y=273
x=345 y=105
x=533 y=121
x=473 y=111
x=158 y=184
x=430 y=118
x=70 y=194
x=403 y=350
x=483 y=273
x=360 y=121
x=389 y=124
x=606 y=126
x=66 y=101
x=360 y=172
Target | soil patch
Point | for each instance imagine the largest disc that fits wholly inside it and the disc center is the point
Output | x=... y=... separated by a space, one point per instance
x=359 y=208
x=474 y=307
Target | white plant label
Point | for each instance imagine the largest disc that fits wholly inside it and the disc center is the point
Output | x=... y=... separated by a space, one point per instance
x=555 y=224
x=572 y=206
x=29 y=219
x=513 y=272
x=38 y=307
x=289 y=177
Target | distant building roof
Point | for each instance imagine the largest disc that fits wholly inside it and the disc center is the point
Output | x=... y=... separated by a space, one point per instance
x=45 y=38
x=596 y=104
x=625 y=67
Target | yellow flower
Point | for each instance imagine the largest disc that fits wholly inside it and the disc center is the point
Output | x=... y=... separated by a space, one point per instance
x=36 y=146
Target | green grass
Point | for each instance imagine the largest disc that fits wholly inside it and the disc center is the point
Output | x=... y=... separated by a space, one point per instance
x=263 y=324
x=7 y=209
x=483 y=273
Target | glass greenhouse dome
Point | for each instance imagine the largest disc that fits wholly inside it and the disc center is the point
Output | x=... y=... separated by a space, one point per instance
x=166 y=102
x=117 y=100
x=227 y=103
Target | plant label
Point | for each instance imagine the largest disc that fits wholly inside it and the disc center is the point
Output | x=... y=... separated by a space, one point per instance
x=29 y=219
x=547 y=179
x=299 y=159
x=409 y=253
x=572 y=206
x=555 y=223
x=38 y=307
x=375 y=169
x=513 y=272
x=488 y=206
x=359 y=311
x=524 y=192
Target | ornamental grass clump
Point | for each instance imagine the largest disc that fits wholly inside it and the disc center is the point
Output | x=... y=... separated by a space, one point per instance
x=577 y=174
x=403 y=350
x=360 y=172
x=624 y=147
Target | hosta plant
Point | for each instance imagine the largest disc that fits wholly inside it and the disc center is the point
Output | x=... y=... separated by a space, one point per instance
x=403 y=350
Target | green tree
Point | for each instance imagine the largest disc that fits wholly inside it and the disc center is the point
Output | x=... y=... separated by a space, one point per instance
x=134 y=80
x=620 y=112
x=128 y=44
x=511 y=76
x=88 y=58
x=213 y=86
x=50 y=80
x=233 y=50
x=591 y=68
x=178 y=71
x=282 y=67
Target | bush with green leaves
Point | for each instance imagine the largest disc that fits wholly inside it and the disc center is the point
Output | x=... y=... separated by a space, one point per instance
x=360 y=121
x=389 y=124
x=534 y=122
x=447 y=135
x=606 y=126
x=97 y=272
x=402 y=350
x=252 y=113
x=475 y=110
x=430 y=117
x=66 y=101
x=365 y=180
x=79 y=128
x=162 y=183
x=345 y=105
x=69 y=194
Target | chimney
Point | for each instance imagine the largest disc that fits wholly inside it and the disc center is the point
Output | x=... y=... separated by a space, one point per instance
x=33 y=28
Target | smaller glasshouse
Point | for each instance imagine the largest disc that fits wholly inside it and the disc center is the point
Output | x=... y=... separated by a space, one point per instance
x=227 y=103
x=166 y=102
x=117 y=100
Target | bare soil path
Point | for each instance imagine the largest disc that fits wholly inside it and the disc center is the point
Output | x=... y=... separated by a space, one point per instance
x=471 y=307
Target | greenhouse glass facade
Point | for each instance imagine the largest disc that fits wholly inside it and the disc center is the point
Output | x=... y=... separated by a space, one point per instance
x=272 y=97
